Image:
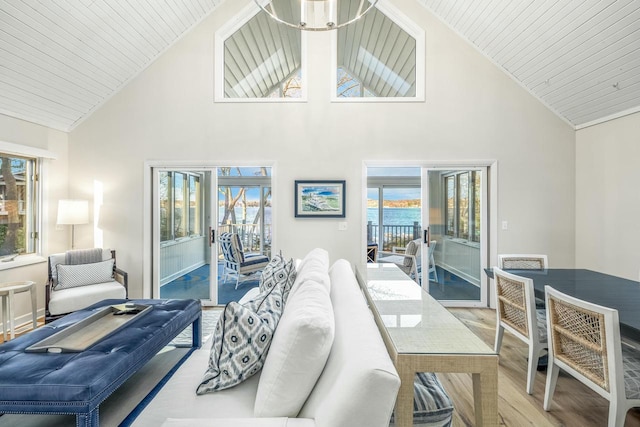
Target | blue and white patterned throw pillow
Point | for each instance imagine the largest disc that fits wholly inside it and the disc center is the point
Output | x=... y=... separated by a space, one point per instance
x=278 y=273
x=241 y=341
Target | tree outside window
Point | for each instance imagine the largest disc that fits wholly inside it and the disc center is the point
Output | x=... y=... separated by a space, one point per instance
x=17 y=205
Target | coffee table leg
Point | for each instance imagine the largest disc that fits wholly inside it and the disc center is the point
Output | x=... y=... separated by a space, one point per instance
x=88 y=419
x=196 y=331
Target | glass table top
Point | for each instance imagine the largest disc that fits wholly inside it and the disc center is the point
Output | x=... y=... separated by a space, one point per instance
x=414 y=320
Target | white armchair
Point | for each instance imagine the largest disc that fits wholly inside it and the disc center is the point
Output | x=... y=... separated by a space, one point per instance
x=80 y=278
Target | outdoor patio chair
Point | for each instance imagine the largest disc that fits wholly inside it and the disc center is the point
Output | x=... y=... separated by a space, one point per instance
x=405 y=258
x=516 y=312
x=236 y=261
x=584 y=341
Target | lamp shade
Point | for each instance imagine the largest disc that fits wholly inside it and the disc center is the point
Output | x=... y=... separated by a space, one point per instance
x=73 y=212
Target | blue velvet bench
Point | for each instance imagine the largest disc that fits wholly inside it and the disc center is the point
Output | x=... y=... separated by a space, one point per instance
x=76 y=383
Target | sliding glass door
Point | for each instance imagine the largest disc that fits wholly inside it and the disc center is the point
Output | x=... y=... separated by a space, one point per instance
x=438 y=216
x=185 y=256
x=456 y=231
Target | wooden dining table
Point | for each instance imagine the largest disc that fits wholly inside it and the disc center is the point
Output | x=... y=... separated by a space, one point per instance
x=592 y=286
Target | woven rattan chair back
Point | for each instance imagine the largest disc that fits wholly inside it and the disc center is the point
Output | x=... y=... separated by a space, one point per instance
x=523 y=262
x=584 y=341
x=516 y=312
x=579 y=339
x=511 y=301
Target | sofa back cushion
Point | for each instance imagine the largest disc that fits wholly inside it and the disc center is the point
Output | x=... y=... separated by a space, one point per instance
x=298 y=352
x=314 y=266
x=359 y=384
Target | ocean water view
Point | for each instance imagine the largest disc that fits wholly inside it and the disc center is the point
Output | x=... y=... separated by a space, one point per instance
x=394 y=216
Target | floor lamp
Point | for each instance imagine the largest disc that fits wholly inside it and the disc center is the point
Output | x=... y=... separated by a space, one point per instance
x=73 y=212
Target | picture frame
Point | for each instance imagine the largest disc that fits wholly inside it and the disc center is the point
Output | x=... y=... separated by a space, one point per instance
x=320 y=199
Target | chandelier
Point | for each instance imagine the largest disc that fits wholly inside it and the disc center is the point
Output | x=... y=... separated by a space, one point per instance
x=316 y=15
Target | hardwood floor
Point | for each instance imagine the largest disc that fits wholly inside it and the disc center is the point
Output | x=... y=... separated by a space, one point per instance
x=574 y=404
x=22 y=329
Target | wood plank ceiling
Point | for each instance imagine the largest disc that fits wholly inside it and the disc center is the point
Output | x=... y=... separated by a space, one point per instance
x=579 y=57
x=60 y=60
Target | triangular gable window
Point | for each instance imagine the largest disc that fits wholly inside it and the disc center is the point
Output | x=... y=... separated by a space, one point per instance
x=260 y=59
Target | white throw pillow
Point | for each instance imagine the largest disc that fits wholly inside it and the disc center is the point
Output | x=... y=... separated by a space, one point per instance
x=72 y=276
x=299 y=350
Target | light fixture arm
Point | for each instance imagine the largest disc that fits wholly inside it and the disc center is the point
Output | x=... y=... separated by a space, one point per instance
x=267 y=7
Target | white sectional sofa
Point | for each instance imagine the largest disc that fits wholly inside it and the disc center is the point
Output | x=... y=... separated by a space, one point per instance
x=356 y=387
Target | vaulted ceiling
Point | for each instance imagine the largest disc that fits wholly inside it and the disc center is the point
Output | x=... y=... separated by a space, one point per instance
x=60 y=60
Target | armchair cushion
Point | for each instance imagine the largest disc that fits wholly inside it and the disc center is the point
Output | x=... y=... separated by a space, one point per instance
x=72 y=276
x=72 y=299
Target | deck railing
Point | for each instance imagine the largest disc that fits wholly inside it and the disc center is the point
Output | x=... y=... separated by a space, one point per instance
x=250 y=236
x=393 y=235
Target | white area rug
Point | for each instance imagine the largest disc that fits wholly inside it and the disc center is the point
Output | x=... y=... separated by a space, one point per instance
x=209 y=322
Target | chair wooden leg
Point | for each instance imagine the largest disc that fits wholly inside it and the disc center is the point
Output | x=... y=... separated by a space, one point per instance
x=498 y=343
x=534 y=355
x=617 y=413
x=550 y=388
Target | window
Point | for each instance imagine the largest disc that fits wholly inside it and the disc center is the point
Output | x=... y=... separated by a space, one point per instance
x=261 y=59
x=180 y=205
x=462 y=205
x=18 y=204
x=379 y=56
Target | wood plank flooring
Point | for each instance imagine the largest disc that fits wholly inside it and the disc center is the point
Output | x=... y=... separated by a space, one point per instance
x=574 y=404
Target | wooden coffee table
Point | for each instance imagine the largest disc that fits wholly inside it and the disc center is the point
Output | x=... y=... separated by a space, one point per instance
x=77 y=382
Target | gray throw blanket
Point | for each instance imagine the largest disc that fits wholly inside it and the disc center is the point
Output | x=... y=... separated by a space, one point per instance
x=83 y=256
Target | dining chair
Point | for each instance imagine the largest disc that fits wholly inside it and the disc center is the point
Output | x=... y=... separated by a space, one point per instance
x=516 y=312
x=523 y=261
x=584 y=341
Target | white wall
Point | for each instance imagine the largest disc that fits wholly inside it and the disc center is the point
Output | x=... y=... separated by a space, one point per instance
x=607 y=197
x=472 y=111
x=55 y=187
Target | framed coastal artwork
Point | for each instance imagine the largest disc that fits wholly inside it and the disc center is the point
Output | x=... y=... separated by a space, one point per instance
x=320 y=199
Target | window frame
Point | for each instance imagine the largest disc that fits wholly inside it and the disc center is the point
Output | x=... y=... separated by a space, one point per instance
x=471 y=210
x=41 y=155
x=407 y=25
x=227 y=31
x=186 y=196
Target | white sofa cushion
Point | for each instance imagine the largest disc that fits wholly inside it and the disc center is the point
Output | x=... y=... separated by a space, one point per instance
x=359 y=384
x=67 y=300
x=239 y=422
x=298 y=353
x=72 y=276
x=241 y=340
x=314 y=266
x=178 y=398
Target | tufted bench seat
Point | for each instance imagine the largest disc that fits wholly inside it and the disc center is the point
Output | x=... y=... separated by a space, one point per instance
x=76 y=383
